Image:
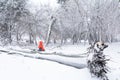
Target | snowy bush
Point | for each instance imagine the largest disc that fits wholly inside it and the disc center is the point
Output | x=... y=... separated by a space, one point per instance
x=97 y=63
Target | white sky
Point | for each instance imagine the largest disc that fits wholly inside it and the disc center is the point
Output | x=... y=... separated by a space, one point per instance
x=37 y=3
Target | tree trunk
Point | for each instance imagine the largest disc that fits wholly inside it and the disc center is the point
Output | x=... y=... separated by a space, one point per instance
x=49 y=30
x=10 y=34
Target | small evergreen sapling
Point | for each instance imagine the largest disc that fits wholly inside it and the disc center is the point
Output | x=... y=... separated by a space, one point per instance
x=97 y=61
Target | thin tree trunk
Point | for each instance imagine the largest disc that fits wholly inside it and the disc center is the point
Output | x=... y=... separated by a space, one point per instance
x=49 y=31
x=10 y=34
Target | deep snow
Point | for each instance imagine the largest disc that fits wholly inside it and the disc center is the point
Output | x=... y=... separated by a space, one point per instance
x=16 y=67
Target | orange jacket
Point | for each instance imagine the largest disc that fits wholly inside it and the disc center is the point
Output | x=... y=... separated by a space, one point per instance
x=40 y=46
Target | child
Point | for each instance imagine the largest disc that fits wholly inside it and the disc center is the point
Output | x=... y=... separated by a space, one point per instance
x=40 y=46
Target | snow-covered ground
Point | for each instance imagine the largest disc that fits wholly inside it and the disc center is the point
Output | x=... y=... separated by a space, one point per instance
x=17 y=67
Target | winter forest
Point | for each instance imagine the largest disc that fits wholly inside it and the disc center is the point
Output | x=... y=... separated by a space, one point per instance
x=74 y=34
x=73 y=20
